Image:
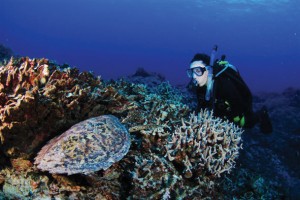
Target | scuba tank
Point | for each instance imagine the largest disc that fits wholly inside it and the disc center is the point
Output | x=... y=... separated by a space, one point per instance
x=226 y=65
x=210 y=81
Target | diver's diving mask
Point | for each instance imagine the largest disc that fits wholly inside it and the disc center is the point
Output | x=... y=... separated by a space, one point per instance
x=199 y=71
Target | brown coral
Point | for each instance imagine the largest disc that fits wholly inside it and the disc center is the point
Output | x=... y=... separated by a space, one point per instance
x=20 y=164
x=38 y=99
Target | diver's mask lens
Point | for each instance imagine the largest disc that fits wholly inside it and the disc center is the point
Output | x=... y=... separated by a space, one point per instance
x=199 y=71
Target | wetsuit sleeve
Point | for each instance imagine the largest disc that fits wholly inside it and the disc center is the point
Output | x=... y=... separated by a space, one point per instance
x=201 y=104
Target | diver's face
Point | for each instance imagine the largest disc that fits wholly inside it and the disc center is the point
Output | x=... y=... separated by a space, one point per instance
x=200 y=73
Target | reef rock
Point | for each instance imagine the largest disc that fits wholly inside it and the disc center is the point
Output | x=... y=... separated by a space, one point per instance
x=86 y=147
x=5 y=53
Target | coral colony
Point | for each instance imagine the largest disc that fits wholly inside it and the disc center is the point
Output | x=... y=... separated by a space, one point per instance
x=119 y=139
x=39 y=98
x=86 y=147
x=204 y=143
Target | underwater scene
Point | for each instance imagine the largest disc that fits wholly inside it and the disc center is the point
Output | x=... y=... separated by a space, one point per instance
x=150 y=99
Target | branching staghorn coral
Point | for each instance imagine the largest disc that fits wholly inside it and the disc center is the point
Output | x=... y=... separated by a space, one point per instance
x=204 y=145
x=152 y=177
x=198 y=149
x=155 y=113
x=151 y=107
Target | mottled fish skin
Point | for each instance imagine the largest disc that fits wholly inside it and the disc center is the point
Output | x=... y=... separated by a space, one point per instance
x=88 y=146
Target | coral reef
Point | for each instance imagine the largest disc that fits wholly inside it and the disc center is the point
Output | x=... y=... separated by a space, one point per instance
x=24 y=185
x=185 y=161
x=152 y=176
x=155 y=109
x=276 y=157
x=244 y=184
x=30 y=184
x=173 y=154
x=88 y=146
x=205 y=145
x=39 y=100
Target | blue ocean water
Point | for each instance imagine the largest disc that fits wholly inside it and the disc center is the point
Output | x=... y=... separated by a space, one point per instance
x=113 y=38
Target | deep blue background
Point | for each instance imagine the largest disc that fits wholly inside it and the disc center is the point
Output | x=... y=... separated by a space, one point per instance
x=115 y=37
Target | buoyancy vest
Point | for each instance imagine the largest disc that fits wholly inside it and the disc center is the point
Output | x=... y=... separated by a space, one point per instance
x=223 y=69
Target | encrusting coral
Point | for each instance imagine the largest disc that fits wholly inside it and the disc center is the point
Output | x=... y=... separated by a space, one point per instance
x=173 y=155
x=88 y=146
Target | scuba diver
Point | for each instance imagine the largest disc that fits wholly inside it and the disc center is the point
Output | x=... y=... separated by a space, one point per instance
x=219 y=87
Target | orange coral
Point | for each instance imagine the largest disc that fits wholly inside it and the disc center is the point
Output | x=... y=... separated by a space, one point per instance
x=20 y=164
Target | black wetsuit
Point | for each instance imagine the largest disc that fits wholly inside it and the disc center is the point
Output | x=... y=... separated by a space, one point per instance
x=231 y=97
